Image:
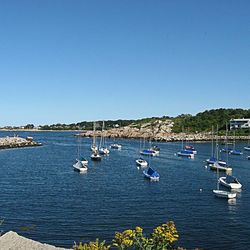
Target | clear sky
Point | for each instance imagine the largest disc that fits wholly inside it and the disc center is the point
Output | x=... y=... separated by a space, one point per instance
x=65 y=61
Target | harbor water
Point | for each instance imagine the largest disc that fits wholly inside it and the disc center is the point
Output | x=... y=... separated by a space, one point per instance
x=42 y=198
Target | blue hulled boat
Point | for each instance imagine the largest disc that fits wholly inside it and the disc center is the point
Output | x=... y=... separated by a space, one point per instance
x=151 y=174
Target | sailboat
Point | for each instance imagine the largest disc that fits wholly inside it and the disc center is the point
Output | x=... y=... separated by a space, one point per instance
x=213 y=159
x=184 y=152
x=248 y=146
x=94 y=146
x=148 y=151
x=217 y=192
x=102 y=148
x=235 y=151
x=81 y=164
x=151 y=174
x=141 y=162
x=216 y=165
x=95 y=154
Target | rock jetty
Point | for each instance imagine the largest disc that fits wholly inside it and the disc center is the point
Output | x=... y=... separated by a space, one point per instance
x=17 y=142
x=156 y=131
x=13 y=241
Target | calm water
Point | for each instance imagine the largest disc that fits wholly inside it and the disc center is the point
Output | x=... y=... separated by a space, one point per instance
x=41 y=192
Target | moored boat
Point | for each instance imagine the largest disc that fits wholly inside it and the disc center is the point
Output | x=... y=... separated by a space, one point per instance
x=216 y=166
x=184 y=153
x=212 y=160
x=141 y=162
x=190 y=148
x=80 y=167
x=235 y=152
x=151 y=174
x=116 y=146
x=95 y=156
x=247 y=148
x=230 y=182
x=149 y=152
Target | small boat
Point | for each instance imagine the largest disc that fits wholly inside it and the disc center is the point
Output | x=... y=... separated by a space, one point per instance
x=95 y=156
x=102 y=147
x=84 y=161
x=216 y=166
x=93 y=148
x=190 y=148
x=184 y=153
x=212 y=160
x=116 y=146
x=155 y=148
x=151 y=174
x=235 y=152
x=149 y=152
x=230 y=182
x=247 y=148
x=141 y=162
x=78 y=166
x=224 y=194
x=226 y=150
x=104 y=151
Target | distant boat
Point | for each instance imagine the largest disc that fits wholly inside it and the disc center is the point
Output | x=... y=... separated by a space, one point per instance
x=80 y=167
x=247 y=148
x=96 y=157
x=94 y=147
x=155 y=148
x=216 y=166
x=235 y=152
x=230 y=182
x=115 y=146
x=190 y=148
x=217 y=192
x=151 y=174
x=102 y=148
x=141 y=162
x=84 y=161
x=212 y=160
x=149 y=152
x=184 y=153
x=81 y=164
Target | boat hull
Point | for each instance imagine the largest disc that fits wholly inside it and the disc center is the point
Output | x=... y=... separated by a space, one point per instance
x=224 y=194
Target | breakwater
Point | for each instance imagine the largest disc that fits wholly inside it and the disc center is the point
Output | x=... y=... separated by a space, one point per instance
x=17 y=142
x=163 y=136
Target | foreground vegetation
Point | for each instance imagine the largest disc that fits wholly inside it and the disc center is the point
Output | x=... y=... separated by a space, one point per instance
x=162 y=238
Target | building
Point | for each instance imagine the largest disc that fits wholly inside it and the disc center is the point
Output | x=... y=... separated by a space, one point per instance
x=239 y=123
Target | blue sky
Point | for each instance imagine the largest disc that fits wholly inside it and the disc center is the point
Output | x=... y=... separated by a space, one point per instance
x=69 y=61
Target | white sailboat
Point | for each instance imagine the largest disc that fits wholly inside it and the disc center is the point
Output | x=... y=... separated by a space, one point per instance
x=102 y=148
x=220 y=165
x=141 y=162
x=95 y=154
x=81 y=164
x=94 y=146
x=217 y=192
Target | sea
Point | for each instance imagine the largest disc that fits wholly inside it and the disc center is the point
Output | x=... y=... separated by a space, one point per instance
x=44 y=199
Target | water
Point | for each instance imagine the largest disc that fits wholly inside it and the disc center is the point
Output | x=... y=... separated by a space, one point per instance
x=44 y=199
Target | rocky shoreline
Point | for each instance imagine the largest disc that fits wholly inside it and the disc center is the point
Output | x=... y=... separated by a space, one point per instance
x=17 y=142
x=13 y=241
x=161 y=137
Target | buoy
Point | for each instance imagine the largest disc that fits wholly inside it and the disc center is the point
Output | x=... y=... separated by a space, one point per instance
x=200 y=189
x=205 y=166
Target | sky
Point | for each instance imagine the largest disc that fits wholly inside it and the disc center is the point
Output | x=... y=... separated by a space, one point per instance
x=67 y=61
